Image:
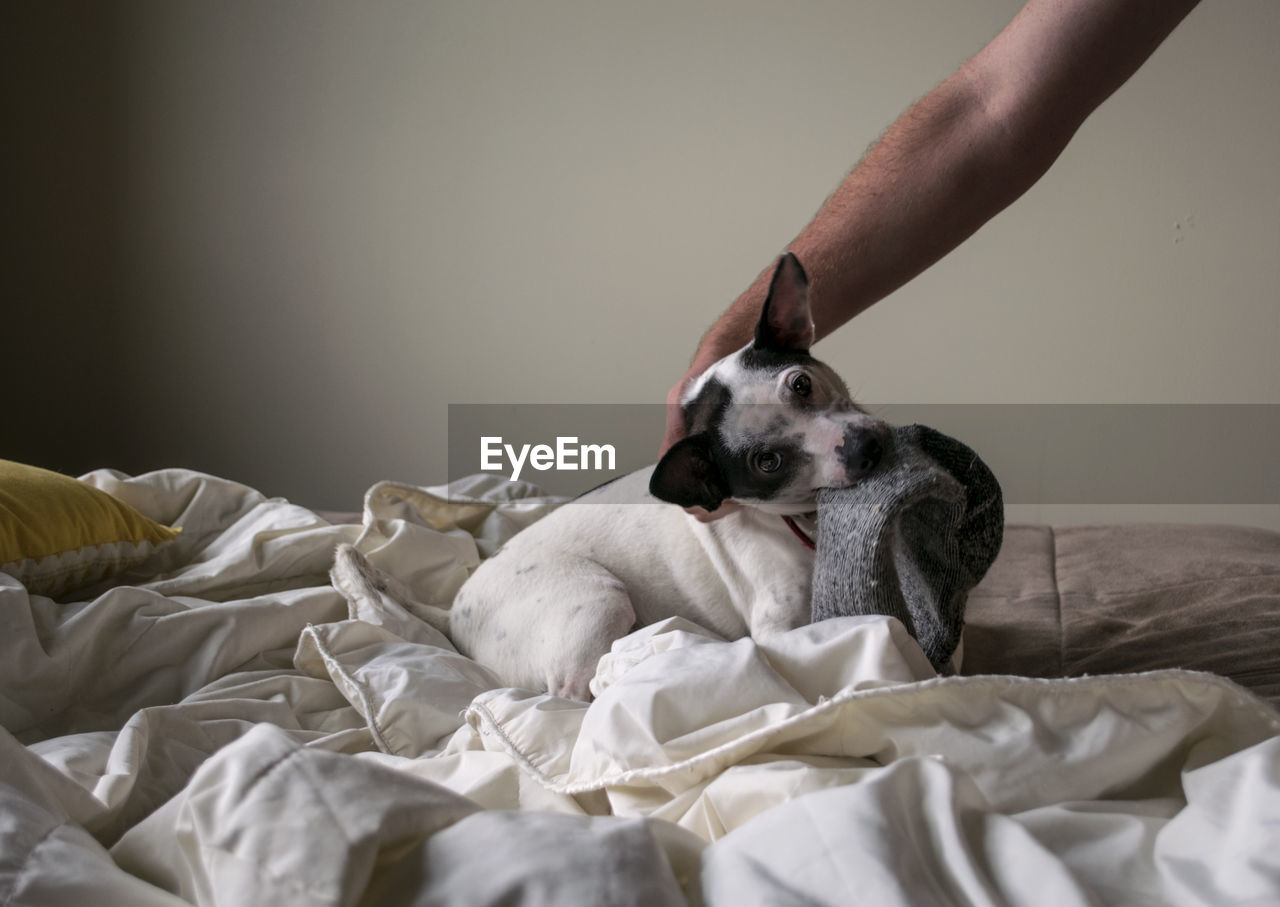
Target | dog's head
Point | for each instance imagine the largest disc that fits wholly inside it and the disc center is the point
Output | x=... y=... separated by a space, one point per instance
x=770 y=425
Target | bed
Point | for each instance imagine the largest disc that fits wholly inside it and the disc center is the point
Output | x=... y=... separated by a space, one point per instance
x=209 y=720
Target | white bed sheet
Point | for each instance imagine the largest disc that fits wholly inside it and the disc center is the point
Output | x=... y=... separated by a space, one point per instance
x=234 y=730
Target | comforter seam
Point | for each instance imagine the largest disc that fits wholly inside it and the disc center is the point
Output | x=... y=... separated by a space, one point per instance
x=744 y=743
x=1057 y=600
x=335 y=669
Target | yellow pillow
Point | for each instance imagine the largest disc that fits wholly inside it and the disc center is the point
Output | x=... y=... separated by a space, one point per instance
x=58 y=533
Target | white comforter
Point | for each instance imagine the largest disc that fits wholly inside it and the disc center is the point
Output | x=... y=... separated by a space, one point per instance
x=234 y=730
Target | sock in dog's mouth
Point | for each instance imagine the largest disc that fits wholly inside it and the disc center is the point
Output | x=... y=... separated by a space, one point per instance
x=911 y=540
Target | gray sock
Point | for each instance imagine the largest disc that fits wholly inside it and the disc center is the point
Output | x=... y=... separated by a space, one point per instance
x=911 y=540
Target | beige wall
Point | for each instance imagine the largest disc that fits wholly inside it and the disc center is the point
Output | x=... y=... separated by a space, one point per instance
x=330 y=220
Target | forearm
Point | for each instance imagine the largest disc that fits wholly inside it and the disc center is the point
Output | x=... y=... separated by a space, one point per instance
x=959 y=156
x=936 y=176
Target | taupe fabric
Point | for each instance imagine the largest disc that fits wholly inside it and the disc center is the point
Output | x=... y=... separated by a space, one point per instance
x=1111 y=599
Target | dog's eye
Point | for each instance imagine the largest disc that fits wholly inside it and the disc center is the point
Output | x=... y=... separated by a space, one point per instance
x=768 y=460
x=801 y=384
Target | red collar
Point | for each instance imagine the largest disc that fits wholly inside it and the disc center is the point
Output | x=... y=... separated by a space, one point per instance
x=808 y=542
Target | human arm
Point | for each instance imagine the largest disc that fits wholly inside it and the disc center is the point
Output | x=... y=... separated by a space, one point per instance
x=954 y=160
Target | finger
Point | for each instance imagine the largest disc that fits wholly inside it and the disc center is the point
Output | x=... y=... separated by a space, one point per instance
x=703 y=515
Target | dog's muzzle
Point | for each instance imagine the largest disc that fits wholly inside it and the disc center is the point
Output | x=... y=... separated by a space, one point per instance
x=863 y=449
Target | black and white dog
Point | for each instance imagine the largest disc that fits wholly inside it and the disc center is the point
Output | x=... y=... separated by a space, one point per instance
x=767 y=427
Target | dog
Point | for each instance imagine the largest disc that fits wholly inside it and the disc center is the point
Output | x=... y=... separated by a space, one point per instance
x=767 y=427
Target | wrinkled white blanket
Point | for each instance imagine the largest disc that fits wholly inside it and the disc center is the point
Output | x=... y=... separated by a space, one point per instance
x=231 y=729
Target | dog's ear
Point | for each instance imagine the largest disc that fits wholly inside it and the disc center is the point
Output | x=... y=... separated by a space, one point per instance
x=785 y=322
x=687 y=475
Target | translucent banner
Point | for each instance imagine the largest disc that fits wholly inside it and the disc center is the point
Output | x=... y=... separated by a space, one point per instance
x=1041 y=453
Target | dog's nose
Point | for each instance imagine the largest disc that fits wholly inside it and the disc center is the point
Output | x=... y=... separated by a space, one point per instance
x=861 y=451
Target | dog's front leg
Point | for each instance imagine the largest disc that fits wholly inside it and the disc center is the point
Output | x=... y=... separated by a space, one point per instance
x=771 y=616
x=769 y=574
x=780 y=599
